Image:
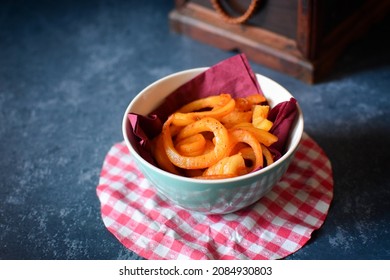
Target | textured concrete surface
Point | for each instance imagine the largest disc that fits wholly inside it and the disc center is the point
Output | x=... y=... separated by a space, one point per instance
x=68 y=69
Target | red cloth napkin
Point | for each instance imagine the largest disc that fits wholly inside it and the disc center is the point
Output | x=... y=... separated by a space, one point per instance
x=234 y=76
x=274 y=227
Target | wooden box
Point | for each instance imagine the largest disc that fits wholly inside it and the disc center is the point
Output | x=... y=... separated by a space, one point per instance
x=301 y=38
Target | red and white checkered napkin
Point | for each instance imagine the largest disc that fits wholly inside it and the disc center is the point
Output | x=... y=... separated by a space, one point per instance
x=274 y=227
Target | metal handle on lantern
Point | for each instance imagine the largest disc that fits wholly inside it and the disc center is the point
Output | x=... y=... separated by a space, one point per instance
x=235 y=20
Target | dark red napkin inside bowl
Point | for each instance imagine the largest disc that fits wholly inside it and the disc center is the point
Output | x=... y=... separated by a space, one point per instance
x=282 y=116
x=234 y=76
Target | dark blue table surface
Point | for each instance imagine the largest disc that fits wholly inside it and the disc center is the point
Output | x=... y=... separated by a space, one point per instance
x=68 y=70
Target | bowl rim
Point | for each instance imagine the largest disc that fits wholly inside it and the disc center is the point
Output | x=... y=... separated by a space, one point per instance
x=299 y=123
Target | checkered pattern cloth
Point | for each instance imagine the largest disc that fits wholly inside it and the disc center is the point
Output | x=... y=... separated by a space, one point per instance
x=274 y=227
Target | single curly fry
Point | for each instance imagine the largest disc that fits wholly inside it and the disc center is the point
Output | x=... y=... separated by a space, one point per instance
x=213 y=101
x=249 y=155
x=244 y=104
x=202 y=161
x=161 y=157
x=236 y=117
x=262 y=136
x=242 y=136
x=256 y=98
x=267 y=155
x=265 y=124
x=259 y=117
x=260 y=112
x=191 y=146
x=221 y=105
x=232 y=165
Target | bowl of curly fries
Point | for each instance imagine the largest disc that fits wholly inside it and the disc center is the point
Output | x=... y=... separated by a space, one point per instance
x=214 y=154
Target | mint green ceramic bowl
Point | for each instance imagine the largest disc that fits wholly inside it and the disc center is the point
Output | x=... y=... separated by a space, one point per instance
x=210 y=196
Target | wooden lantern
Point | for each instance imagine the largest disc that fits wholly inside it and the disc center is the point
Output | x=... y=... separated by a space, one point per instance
x=301 y=38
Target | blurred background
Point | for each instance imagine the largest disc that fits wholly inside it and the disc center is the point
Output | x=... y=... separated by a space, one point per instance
x=68 y=70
